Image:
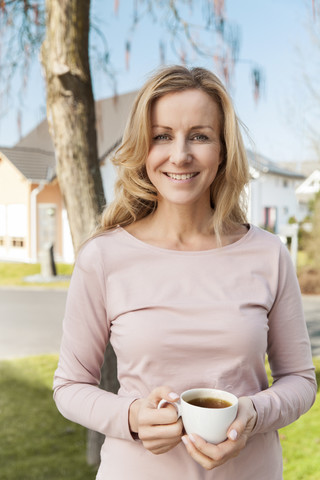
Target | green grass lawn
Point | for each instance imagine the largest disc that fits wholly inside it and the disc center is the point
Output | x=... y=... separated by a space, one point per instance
x=37 y=443
x=13 y=274
x=301 y=442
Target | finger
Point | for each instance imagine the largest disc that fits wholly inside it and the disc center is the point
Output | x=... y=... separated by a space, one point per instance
x=167 y=414
x=214 y=455
x=163 y=392
x=158 y=448
x=152 y=416
x=154 y=432
x=196 y=454
x=224 y=449
x=160 y=439
x=244 y=421
x=207 y=449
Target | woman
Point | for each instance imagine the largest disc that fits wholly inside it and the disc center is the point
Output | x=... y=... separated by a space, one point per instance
x=188 y=294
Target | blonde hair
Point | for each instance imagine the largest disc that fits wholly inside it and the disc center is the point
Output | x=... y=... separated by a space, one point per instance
x=135 y=196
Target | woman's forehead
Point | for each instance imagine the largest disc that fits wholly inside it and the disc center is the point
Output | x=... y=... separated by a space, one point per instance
x=195 y=105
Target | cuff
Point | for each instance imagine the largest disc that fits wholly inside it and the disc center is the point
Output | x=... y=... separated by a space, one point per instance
x=258 y=404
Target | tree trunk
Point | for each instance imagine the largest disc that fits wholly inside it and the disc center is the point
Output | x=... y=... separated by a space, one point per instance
x=109 y=382
x=71 y=119
x=71 y=114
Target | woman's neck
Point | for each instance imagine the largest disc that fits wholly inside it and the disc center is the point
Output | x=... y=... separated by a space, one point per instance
x=176 y=227
x=181 y=220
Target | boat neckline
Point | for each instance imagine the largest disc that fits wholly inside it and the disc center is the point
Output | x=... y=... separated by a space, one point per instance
x=188 y=252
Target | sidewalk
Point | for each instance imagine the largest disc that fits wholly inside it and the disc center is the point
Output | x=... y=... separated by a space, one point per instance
x=311 y=307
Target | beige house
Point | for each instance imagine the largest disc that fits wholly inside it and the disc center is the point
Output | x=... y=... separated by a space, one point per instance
x=32 y=214
x=30 y=204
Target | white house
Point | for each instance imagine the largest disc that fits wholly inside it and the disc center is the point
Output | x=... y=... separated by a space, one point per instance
x=272 y=198
x=306 y=192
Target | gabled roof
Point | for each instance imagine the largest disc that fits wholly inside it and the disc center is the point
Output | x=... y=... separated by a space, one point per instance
x=311 y=185
x=264 y=165
x=35 y=165
x=111 y=117
x=306 y=167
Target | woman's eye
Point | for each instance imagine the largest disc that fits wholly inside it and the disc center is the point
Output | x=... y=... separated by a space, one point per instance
x=160 y=137
x=200 y=138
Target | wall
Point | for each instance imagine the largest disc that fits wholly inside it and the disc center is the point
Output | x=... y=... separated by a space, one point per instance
x=50 y=205
x=273 y=191
x=14 y=212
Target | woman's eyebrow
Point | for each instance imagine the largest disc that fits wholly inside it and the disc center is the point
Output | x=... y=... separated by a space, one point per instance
x=195 y=127
x=162 y=126
x=198 y=127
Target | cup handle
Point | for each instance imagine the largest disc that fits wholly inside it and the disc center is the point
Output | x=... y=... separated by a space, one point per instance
x=176 y=405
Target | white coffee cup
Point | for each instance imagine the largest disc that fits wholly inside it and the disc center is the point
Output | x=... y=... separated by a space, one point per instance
x=210 y=423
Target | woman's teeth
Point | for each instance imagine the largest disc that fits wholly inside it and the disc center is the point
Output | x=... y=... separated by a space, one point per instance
x=182 y=176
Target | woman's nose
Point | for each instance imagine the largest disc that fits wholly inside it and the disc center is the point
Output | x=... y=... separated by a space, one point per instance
x=180 y=154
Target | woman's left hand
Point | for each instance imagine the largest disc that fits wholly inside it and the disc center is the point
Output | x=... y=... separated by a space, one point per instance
x=210 y=456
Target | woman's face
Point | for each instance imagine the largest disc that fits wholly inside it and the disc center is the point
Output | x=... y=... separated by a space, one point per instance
x=185 y=150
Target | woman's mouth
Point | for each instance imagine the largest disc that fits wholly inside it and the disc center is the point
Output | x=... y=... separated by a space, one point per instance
x=181 y=176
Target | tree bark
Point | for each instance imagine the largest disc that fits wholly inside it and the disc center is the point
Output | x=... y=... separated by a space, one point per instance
x=109 y=382
x=71 y=119
x=71 y=114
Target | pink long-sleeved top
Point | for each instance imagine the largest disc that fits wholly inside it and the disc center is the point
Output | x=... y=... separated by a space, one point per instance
x=185 y=319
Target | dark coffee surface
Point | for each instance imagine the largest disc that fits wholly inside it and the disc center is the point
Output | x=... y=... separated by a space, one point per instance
x=209 y=402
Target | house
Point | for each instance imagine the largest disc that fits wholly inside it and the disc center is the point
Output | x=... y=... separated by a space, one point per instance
x=31 y=209
x=306 y=191
x=32 y=214
x=272 y=198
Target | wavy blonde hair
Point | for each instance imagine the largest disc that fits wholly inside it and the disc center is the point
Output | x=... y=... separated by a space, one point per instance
x=135 y=196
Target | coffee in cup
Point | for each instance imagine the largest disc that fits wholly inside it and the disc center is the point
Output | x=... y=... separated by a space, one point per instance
x=209 y=402
x=208 y=412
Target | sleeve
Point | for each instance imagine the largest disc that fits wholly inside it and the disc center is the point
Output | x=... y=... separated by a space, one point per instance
x=84 y=340
x=294 y=386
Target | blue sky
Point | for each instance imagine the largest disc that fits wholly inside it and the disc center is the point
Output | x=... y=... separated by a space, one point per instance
x=274 y=34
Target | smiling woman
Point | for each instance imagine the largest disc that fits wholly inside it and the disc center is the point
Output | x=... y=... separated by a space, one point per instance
x=185 y=153
x=211 y=124
x=188 y=294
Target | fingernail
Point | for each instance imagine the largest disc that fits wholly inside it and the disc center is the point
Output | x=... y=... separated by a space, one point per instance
x=233 y=435
x=185 y=440
x=193 y=440
x=173 y=395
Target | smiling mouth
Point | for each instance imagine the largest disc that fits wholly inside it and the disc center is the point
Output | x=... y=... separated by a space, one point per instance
x=181 y=176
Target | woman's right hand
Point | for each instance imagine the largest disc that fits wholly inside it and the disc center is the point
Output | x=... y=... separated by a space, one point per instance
x=160 y=430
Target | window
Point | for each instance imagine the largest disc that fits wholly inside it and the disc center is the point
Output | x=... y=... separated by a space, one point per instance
x=16 y=225
x=17 y=242
x=3 y=223
x=270 y=218
x=285 y=183
x=17 y=220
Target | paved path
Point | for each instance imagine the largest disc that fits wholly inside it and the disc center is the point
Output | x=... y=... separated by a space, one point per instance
x=311 y=306
x=31 y=319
